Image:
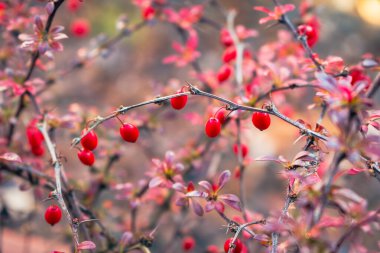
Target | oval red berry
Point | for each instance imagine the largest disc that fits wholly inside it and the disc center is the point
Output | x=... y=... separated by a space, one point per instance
x=129 y=132
x=225 y=38
x=212 y=127
x=80 y=28
x=34 y=136
x=229 y=54
x=53 y=214
x=188 y=243
x=38 y=150
x=86 y=157
x=224 y=73
x=220 y=115
x=178 y=102
x=236 y=248
x=261 y=120
x=90 y=140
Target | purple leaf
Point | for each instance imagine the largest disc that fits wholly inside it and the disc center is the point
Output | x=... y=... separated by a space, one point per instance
x=49 y=7
x=206 y=185
x=179 y=187
x=229 y=197
x=233 y=204
x=198 y=210
x=209 y=206
x=182 y=202
x=38 y=23
x=196 y=194
x=224 y=178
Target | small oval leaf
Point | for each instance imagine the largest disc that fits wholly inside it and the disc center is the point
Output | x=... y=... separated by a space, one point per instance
x=86 y=245
x=11 y=157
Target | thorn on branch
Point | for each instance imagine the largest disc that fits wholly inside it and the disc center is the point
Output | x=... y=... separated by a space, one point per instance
x=232 y=226
x=193 y=90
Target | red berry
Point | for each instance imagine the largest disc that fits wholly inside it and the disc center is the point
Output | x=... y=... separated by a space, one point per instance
x=229 y=54
x=73 y=5
x=86 y=157
x=212 y=249
x=212 y=127
x=243 y=148
x=53 y=214
x=129 y=132
x=357 y=75
x=2 y=6
x=238 y=245
x=90 y=141
x=310 y=32
x=80 y=28
x=225 y=38
x=148 y=13
x=224 y=73
x=179 y=102
x=34 y=136
x=261 y=120
x=221 y=116
x=188 y=243
x=38 y=150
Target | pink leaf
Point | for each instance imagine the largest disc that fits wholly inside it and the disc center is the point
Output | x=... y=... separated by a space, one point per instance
x=86 y=245
x=11 y=157
x=219 y=207
x=354 y=171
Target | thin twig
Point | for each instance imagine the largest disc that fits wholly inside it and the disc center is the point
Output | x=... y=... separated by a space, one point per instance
x=57 y=169
x=240 y=229
x=197 y=92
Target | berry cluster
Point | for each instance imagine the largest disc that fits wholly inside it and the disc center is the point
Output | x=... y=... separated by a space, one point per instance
x=214 y=124
x=89 y=141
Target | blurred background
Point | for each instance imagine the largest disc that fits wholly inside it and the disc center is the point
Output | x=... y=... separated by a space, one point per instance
x=131 y=72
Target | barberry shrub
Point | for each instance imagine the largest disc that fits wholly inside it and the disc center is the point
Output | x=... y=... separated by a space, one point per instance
x=157 y=126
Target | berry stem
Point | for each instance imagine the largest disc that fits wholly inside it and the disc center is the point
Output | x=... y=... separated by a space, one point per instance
x=121 y=122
